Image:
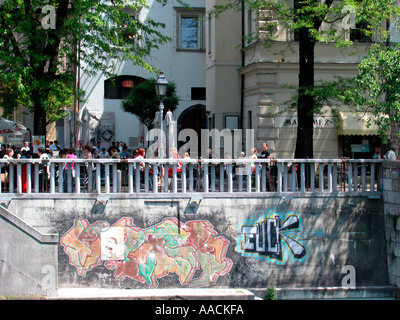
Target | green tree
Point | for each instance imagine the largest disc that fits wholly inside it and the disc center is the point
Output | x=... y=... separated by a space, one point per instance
x=374 y=90
x=143 y=101
x=313 y=21
x=44 y=42
x=378 y=89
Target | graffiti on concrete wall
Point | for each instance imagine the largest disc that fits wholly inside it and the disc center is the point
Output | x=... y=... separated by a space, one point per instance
x=274 y=237
x=191 y=250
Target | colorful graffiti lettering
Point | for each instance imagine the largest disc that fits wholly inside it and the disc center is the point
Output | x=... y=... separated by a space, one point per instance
x=273 y=237
x=151 y=253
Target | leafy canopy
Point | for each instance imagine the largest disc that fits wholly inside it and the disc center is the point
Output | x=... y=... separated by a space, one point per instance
x=39 y=64
x=143 y=101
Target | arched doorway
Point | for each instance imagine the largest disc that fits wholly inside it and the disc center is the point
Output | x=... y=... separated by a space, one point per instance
x=194 y=118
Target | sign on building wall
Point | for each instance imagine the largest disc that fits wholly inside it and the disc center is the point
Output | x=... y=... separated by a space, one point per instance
x=291 y=122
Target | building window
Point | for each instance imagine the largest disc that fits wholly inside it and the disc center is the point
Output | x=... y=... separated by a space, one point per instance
x=120 y=87
x=190 y=29
x=232 y=122
x=198 y=93
x=357 y=35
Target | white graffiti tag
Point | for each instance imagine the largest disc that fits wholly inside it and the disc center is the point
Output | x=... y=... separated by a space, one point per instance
x=265 y=238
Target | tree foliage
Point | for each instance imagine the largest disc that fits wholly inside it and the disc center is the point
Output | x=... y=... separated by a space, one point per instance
x=143 y=101
x=39 y=62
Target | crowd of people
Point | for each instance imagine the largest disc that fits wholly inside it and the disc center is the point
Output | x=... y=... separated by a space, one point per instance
x=117 y=150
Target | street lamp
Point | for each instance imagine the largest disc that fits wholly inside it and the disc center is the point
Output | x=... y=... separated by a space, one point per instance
x=161 y=90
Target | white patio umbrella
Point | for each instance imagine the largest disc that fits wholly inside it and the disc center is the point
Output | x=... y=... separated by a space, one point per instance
x=83 y=128
x=9 y=127
x=171 y=132
x=141 y=134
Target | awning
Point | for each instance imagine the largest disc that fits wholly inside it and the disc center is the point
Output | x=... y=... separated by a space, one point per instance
x=356 y=124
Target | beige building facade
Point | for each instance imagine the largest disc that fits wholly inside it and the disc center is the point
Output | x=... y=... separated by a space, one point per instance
x=252 y=86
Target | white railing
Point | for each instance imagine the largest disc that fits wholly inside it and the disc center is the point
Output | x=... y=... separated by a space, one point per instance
x=131 y=176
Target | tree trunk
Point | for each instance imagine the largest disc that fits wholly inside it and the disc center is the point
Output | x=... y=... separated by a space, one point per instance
x=39 y=116
x=305 y=100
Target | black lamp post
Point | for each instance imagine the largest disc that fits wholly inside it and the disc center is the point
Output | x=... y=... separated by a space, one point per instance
x=161 y=90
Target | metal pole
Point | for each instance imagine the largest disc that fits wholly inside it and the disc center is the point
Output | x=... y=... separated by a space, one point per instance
x=161 y=107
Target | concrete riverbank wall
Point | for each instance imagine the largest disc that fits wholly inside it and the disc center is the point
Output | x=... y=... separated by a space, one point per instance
x=189 y=242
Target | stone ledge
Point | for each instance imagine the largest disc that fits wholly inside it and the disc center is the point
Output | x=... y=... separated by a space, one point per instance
x=359 y=292
x=152 y=294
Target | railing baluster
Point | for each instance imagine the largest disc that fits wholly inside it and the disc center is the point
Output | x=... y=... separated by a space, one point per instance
x=146 y=177
x=248 y=177
x=77 y=168
x=19 y=178
x=355 y=171
x=221 y=177
x=257 y=178
x=302 y=177
x=89 y=177
x=98 y=177
x=372 y=177
x=174 y=178
x=52 y=178
x=137 y=177
x=294 y=177
x=334 y=177
x=329 y=174
x=205 y=178
x=166 y=177
x=155 y=178
x=264 y=177
x=321 y=176
x=241 y=171
x=191 y=181
x=114 y=177
x=212 y=177
x=363 y=177
x=230 y=178
x=285 y=177
x=350 y=177
x=107 y=178
x=60 y=178
x=279 y=178
x=29 y=178
x=183 y=178
x=313 y=166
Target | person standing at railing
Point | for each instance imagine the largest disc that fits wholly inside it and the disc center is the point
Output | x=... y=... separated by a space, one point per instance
x=141 y=153
x=69 y=166
x=175 y=155
x=53 y=146
x=265 y=154
x=26 y=146
x=124 y=154
x=44 y=168
x=104 y=154
x=3 y=149
x=6 y=167
x=253 y=155
x=98 y=146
